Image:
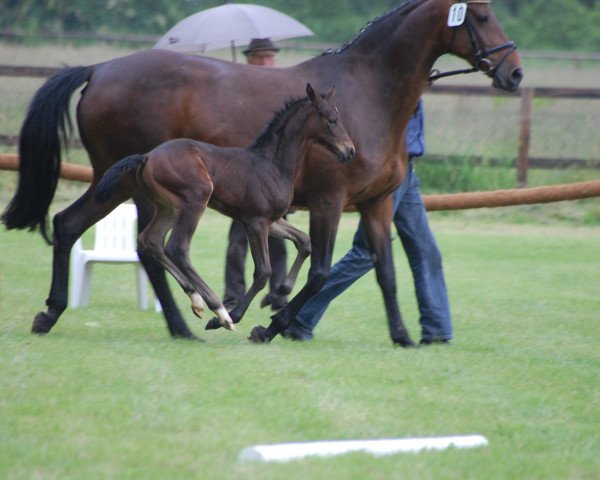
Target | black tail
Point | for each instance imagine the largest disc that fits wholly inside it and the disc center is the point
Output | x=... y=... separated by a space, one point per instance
x=44 y=132
x=111 y=177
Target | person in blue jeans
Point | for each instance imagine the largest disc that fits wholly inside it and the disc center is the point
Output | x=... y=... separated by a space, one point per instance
x=419 y=244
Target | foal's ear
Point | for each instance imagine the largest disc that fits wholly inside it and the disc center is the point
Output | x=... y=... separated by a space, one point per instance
x=329 y=94
x=310 y=92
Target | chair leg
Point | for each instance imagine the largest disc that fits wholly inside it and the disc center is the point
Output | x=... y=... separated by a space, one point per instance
x=86 y=282
x=142 y=287
x=76 y=275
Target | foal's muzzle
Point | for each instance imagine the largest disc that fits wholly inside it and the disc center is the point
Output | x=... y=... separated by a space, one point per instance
x=346 y=153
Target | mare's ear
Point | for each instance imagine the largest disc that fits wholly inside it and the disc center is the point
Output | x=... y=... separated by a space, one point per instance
x=310 y=92
x=329 y=94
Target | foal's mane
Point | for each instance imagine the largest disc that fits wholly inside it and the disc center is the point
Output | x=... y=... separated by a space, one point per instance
x=402 y=9
x=278 y=120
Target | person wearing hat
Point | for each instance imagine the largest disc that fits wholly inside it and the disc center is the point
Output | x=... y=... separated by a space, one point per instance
x=260 y=51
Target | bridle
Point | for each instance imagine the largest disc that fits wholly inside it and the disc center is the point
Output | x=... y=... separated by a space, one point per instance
x=482 y=62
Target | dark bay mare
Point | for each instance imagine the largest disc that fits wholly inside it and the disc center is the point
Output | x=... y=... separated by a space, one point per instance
x=183 y=177
x=132 y=104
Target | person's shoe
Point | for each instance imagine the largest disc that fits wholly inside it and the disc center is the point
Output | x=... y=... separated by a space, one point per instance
x=424 y=342
x=298 y=337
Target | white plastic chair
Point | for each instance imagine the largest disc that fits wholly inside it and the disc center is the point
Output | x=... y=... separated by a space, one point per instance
x=114 y=244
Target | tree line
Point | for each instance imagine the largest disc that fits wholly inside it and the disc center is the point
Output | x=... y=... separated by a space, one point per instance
x=534 y=24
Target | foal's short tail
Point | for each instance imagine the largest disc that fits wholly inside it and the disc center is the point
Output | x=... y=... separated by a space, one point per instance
x=43 y=134
x=111 y=177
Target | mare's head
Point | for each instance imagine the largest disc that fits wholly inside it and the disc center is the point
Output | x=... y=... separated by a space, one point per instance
x=326 y=127
x=475 y=35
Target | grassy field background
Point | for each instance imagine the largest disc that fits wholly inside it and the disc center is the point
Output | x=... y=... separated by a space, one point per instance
x=107 y=394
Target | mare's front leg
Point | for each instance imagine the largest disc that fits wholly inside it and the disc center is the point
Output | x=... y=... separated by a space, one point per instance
x=376 y=217
x=257 y=233
x=325 y=216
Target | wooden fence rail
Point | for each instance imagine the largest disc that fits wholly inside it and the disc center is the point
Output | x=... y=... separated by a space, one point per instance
x=527 y=95
x=453 y=201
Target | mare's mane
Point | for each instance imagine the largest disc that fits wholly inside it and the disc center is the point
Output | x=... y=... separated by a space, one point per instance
x=403 y=9
x=277 y=121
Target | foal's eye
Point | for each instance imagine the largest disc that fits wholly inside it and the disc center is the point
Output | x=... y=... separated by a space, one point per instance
x=331 y=121
x=482 y=18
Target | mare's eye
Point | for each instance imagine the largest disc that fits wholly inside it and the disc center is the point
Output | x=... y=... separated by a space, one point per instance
x=331 y=121
x=482 y=18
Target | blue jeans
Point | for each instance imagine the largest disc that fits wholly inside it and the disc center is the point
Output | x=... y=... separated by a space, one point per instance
x=424 y=258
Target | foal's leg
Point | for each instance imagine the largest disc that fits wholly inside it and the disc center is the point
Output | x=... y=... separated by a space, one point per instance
x=283 y=229
x=156 y=274
x=325 y=215
x=257 y=233
x=175 y=257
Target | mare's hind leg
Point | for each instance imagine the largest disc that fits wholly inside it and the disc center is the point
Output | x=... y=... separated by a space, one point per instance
x=256 y=232
x=69 y=225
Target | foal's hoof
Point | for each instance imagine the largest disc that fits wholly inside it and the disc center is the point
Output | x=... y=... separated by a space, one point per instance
x=229 y=326
x=259 y=335
x=284 y=289
x=213 y=324
x=42 y=323
x=265 y=302
x=198 y=311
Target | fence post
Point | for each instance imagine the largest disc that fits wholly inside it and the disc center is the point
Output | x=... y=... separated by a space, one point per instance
x=523 y=160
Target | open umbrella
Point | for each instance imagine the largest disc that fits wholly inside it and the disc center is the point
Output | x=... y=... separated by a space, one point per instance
x=230 y=25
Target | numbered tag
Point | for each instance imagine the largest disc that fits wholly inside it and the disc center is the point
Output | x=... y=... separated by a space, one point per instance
x=457 y=15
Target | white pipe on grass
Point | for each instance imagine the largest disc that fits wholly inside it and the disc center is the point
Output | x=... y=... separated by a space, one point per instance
x=285 y=452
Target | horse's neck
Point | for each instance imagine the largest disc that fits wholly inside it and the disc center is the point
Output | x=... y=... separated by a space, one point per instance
x=399 y=52
x=290 y=145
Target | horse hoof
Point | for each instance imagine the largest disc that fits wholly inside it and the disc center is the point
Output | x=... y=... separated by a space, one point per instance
x=42 y=323
x=404 y=343
x=284 y=289
x=266 y=301
x=213 y=324
x=258 y=335
x=229 y=326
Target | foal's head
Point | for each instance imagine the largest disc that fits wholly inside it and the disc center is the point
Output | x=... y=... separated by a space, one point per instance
x=316 y=118
x=326 y=127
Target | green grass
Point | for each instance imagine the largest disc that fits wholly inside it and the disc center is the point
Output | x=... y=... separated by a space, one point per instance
x=107 y=394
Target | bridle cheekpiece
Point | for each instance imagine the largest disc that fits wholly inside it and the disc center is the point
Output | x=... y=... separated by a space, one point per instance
x=482 y=62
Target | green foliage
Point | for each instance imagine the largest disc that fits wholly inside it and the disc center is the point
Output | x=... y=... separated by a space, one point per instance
x=552 y=24
x=460 y=174
x=537 y=24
